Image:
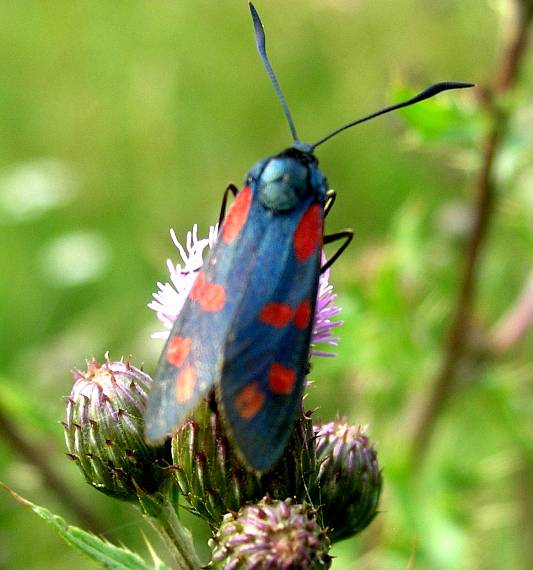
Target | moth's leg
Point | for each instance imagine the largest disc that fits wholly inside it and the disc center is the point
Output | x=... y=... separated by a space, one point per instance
x=331 y=196
x=347 y=236
x=234 y=190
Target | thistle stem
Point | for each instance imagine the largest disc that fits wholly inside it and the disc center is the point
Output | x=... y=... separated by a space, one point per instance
x=161 y=514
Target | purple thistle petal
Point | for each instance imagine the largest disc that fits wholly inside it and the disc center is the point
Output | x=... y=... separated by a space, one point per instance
x=168 y=300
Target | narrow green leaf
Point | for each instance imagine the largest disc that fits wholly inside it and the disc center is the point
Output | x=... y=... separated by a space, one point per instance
x=102 y=551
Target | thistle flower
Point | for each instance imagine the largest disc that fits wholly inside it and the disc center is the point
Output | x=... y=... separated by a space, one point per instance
x=276 y=535
x=349 y=478
x=214 y=481
x=104 y=430
x=168 y=300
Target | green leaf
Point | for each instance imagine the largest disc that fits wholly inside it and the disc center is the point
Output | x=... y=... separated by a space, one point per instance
x=102 y=551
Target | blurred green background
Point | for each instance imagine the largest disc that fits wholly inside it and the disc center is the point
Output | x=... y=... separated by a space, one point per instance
x=119 y=120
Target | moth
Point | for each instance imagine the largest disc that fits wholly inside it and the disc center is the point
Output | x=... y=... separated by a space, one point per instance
x=245 y=328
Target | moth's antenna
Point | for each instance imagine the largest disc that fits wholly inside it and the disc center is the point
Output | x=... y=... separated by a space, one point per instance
x=260 y=41
x=426 y=94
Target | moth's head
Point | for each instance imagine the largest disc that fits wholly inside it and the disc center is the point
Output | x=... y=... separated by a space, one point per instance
x=284 y=180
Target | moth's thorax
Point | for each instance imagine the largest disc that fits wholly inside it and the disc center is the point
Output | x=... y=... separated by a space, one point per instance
x=284 y=180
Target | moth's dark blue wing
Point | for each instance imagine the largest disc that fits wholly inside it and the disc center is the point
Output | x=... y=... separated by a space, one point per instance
x=267 y=347
x=245 y=327
x=192 y=358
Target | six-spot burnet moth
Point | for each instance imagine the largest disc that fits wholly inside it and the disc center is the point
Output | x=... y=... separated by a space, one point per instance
x=246 y=325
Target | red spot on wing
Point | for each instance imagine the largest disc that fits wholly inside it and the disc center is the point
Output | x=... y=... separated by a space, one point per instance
x=249 y=401
x=178 y=349
x=198 y=287
x=276 y=314
x=237 y=215
x=185 y=383
x=210 y=296
x=213 y=298
x=302 y=315
x=308 y=234
x=281 y=379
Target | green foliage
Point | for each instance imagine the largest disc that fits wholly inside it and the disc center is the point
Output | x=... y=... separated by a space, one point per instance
x=145 y=112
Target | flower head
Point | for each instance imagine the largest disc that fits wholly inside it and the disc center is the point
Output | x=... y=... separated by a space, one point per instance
x=349 y=478
x=276 y=535
x=168 y=300
x=104 y=430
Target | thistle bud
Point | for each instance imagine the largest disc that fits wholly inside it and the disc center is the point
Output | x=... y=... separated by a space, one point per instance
x=104 y=430
x=279 y=535
x=214 y=480
x=349 y=478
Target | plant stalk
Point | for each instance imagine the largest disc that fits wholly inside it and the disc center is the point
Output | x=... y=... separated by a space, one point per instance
x=457 y=343
x=161 y=514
